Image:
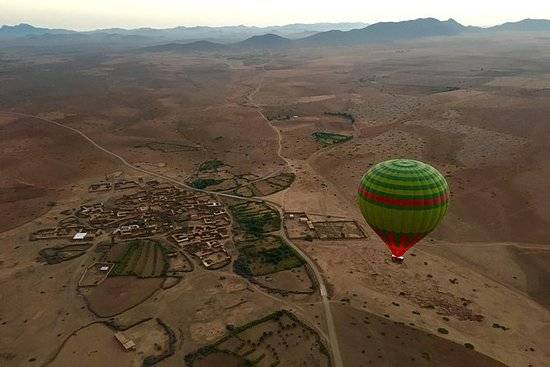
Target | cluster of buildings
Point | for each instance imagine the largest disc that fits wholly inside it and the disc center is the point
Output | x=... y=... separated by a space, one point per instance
x=68 y=228
x=206 y=232
x=104 y=186
x=196 y=222
x=145 y=213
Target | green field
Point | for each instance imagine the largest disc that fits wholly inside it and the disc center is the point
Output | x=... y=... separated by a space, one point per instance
x=255 y=217
x=203 y=183
x=278 y=339
x=267 y=186
x=330 y=138
x=262 y=255
x=141 y=258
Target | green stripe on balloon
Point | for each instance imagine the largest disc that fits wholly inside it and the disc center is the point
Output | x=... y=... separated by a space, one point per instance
x=427 y=185
x=407 y=195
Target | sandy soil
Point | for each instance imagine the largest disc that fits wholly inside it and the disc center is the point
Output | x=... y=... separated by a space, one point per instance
x=94 y=345
x=368 y=339
x=432 y=292
x=37 y=162
x=295 y=280
x=117 y=294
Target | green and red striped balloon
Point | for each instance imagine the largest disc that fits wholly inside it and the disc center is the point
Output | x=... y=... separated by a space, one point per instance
x=403 y=200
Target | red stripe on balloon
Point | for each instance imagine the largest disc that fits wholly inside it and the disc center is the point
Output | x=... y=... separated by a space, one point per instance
x=403 y=202
x=404 y=244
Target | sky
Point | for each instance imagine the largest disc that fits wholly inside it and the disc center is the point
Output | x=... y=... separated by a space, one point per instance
x=93 y=14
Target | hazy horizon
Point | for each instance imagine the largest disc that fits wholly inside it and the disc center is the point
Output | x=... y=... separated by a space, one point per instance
x=171 y=13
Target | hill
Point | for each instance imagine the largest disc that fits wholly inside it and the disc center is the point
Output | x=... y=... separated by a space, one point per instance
x=206 y=46
x=265 y=41
x=526 y=25
x=388 y=31
x=24 y=30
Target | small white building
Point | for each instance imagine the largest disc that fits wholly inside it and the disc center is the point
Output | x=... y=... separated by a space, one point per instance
x=79 y=236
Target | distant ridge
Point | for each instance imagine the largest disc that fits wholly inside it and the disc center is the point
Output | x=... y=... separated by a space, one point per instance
x=266 y=41
x=388 y=31
x=188 y=39
x=24 y=30
x=526 y=25
x=379 y=32
x=222 y=34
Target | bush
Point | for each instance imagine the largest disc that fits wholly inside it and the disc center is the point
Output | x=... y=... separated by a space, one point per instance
x=330 y=138
x=202 y=184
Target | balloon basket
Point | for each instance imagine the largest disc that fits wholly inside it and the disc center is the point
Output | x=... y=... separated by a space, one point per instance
x=397 y=259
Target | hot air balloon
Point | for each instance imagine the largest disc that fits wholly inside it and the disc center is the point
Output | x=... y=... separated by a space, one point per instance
x=403 y=200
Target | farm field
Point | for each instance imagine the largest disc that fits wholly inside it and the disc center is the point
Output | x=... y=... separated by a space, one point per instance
x=338 y=230
x=266 y=186
x=277 y=339
x=262 y=255
x=141 y=258
x=118 y=294
x=218 y=176
x=55 y=255
x=255 y=217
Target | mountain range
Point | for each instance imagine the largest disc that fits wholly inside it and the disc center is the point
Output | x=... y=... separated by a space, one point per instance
x=220 y=34
x=186 y=39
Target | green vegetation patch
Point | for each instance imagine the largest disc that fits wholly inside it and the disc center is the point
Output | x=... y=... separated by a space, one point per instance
x=244 y=191
x=262 y=255
x=211 y=165
x=167 y=147
x=256 y=217
x=330 y=138
x=142 y=258
x=203 y=183
x=266 y=186
x=239 y=348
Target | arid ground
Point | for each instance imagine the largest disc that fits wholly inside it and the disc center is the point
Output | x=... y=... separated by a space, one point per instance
x=245 y=123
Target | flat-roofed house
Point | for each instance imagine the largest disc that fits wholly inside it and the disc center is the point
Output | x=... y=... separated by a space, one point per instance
x=126 y=342
x=79 y=236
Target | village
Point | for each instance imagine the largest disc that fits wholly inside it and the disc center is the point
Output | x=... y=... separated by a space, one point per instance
x=152 y=230
x=197 y=223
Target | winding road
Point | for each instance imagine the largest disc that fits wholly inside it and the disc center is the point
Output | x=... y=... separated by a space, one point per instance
x=332 y=336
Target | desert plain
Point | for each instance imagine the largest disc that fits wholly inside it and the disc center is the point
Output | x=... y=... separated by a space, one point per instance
x=258 y=154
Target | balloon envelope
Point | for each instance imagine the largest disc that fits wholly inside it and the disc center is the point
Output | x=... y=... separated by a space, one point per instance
x=403 y=200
